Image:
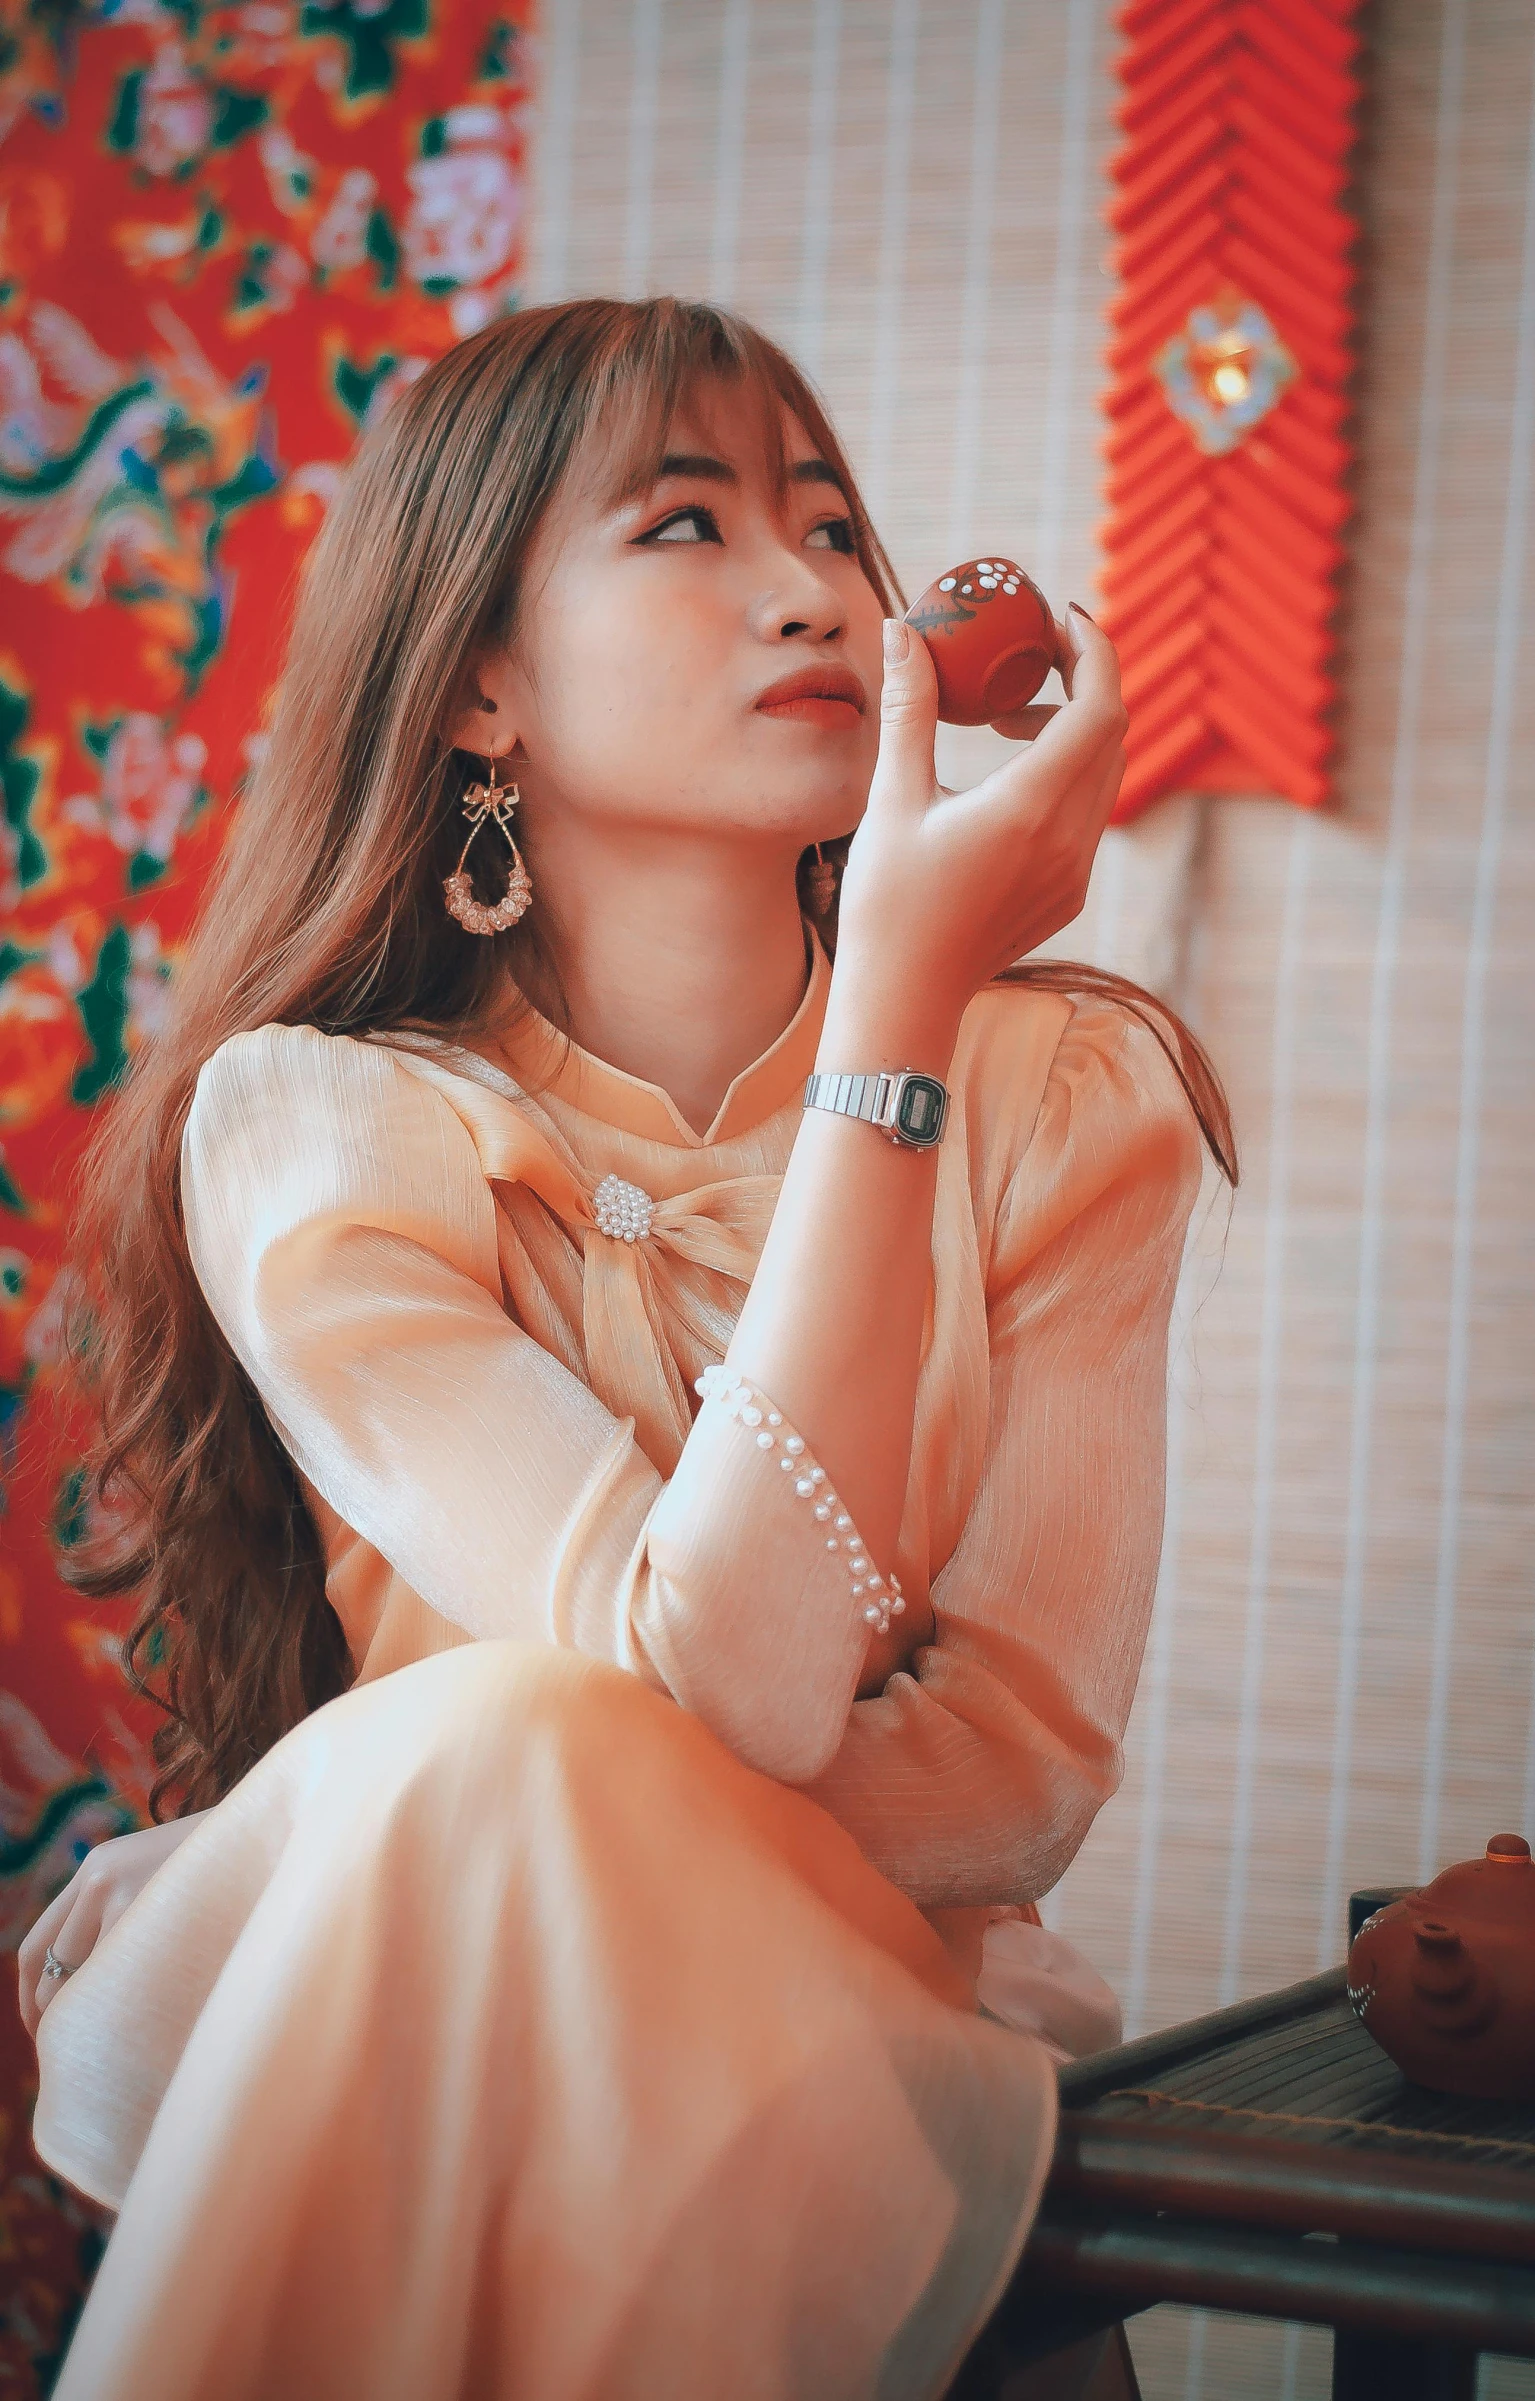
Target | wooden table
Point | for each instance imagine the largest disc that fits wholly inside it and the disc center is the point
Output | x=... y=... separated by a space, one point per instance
x=1268 y=2159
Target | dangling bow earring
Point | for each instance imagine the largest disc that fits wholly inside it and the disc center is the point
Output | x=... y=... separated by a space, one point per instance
x=821 y=878
x=482 y=801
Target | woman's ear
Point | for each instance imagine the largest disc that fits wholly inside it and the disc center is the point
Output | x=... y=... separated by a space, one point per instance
x=485 y=723
x=481 y=728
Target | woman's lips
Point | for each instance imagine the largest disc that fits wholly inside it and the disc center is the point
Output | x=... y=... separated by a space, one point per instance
x=814 y=709
x=831 y=697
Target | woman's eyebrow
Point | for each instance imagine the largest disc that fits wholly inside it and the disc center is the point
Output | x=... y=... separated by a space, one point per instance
x=699 y=466
x=696 y=464
x=815 y=471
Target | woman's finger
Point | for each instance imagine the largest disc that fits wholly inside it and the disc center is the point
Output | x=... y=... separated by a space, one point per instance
x=1092 y=721
x=1024 y=724
x=32 y=1954
x=1086 y=812
x=1103 y=794
x=71 y=1927
x=908 y=722
x=1090 y=664
x=1066 y=649
x=1043 y=787
x=1066 y=864
x=1068 y=641
x=38 y=1988
x=77 y=1938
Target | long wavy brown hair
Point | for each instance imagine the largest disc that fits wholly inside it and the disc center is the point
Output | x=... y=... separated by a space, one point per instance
x=327 y=911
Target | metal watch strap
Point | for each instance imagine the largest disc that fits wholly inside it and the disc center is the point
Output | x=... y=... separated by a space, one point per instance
x=880 y=1101
x=866 y=1096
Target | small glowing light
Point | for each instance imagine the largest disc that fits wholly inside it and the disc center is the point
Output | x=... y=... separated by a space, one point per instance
x=1224 y=371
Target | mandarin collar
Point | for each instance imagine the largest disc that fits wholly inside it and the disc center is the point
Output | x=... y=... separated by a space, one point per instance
x=545 y=1061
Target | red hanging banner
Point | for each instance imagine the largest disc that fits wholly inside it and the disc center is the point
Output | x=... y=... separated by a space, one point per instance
x=1228 y=440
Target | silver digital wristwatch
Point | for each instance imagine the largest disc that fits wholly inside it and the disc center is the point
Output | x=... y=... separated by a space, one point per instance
x=912 y=1109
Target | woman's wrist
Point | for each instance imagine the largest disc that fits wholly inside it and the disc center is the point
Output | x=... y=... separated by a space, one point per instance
x=880 y=1015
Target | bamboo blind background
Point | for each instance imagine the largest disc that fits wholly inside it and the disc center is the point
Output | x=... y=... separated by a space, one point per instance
x=1340 y=1686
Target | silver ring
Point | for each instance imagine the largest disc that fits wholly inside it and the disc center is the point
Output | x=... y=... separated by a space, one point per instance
x=54 y=1967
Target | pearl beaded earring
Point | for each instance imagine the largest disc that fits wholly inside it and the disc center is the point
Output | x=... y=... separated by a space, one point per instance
x=821 y=877
x=482 y=802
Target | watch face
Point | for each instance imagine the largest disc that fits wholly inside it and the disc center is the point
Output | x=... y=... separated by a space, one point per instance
x=921 y=1109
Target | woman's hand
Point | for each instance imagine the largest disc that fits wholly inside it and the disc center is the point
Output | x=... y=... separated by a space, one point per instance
x=888 y=1653
x=94 y=1898
x=950 y=888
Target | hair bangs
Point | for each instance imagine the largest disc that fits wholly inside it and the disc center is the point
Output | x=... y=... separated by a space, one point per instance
x=658 y=356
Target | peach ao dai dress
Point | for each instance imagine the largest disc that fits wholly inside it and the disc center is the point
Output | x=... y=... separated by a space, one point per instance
x=591 y=2003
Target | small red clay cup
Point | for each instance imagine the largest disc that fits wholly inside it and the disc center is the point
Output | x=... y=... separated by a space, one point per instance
x=992 y=638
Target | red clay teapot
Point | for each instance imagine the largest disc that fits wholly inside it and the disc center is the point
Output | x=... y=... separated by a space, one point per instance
x=1444 y=1979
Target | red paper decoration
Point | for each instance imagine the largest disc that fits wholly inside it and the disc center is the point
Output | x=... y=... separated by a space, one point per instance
x=1228 y=444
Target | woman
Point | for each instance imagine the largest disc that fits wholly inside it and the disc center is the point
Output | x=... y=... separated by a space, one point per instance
x=533 y=1352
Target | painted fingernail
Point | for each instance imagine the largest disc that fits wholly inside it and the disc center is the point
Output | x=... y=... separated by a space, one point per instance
x=1081 y=611
x=897 y=640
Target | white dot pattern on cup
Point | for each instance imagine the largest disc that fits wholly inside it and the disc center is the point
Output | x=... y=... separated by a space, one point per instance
x=984 y=575
x=878 y=1598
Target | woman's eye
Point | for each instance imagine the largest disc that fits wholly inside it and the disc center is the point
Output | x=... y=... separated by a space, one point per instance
x=834 y=533
x=686 y=525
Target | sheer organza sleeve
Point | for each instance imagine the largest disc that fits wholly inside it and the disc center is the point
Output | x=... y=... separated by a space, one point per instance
x=341 y=1227
x=974 y=1777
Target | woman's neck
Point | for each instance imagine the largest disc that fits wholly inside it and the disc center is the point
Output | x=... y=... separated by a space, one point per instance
x=679 y=972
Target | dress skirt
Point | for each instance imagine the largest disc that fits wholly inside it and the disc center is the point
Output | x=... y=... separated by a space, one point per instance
x=503 y=2035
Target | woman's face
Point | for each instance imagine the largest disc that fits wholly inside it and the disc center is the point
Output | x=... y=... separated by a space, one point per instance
x=704 y=658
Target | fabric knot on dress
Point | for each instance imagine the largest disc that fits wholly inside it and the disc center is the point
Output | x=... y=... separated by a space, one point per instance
x=639 y=1316
x=640 y=1313
x=623 y=1211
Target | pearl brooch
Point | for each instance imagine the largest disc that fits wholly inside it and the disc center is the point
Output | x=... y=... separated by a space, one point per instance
x=623 y=1211
x=879 y=1597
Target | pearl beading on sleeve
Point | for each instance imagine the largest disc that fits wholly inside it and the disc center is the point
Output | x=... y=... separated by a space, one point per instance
x=878 y=1597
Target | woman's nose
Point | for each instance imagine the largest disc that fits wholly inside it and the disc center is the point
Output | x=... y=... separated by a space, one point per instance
x=799 y=603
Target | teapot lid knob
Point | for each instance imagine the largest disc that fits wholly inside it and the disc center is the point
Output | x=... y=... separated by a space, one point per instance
x=1510 y=1850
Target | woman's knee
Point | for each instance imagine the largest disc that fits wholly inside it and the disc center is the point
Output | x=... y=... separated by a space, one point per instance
x=479 y=1715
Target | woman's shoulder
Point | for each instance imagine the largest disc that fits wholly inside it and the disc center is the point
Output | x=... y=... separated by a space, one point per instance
x=1031 y=1039
x=392 y=1127
x=1009 y=1037
x=296 y=1136
x=289 y=1116
x=300 y=1073
x=1080 y=1083
x=296 y=1060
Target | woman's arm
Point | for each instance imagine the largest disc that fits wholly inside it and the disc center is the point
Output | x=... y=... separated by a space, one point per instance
x=341 y=1225
x=340 y=1222
x=942 y=891
x=974 y=1778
